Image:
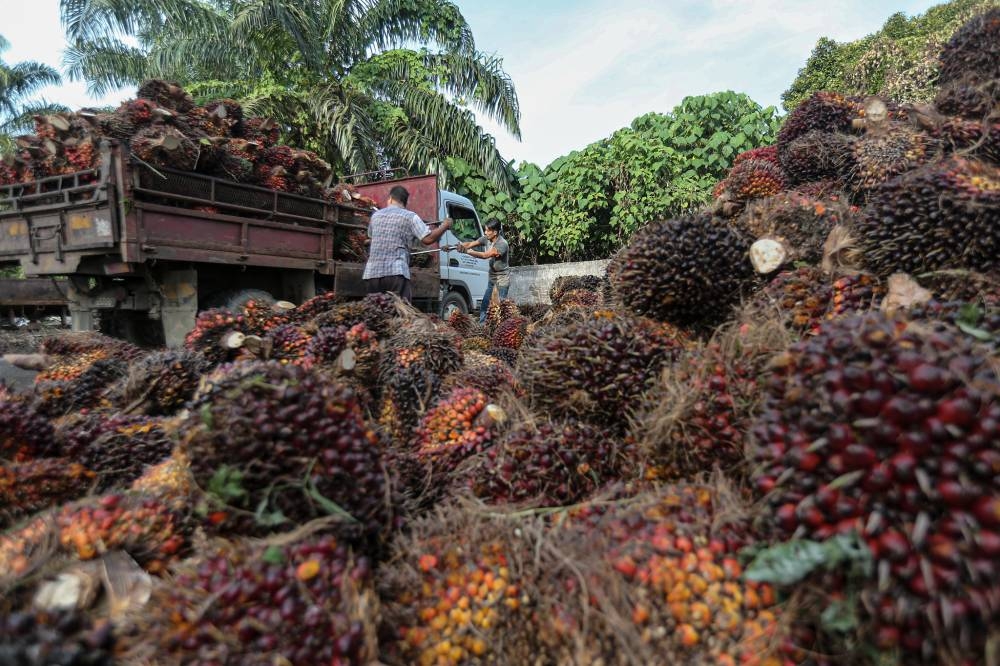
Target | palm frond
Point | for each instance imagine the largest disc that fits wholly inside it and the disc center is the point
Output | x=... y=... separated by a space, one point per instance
x=392 y=24
x=93 y=19
x=450 y=129
x=344 y=124
x=289 y=19
x=481 y=80
x=105 y=64
x=24 y=120
x=25 y=78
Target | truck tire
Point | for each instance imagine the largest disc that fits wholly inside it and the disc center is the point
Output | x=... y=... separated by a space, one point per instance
x=235 y=301
x=453 y=301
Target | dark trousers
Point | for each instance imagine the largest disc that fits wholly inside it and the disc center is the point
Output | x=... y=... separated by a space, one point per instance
x=392 y=284
x=501 y=292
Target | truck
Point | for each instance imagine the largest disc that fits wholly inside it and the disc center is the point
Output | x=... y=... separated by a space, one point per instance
x=143 y=249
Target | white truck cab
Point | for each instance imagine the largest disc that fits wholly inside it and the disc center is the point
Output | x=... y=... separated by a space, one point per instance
x=463 y=277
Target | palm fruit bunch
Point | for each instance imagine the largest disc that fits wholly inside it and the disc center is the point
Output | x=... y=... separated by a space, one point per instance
x=818 y=155
x=259 y=317
x=579 y=298
x=161 y=382
x=413 y=363
x=505 y=354
x=974 y=50
x=277 y=444
x=165 y=146
x=476 y=343
x=211 y=333
x=92 y=388
x=801 y=297
x=227 y=114
x=940 y=216
x=451 y=601
x=325 y=347
x=969 y=98
x=235 y=159
x=751 y=179
x=314 y=307
x=894 y=149
x=263 y=131
x=169 y=481
x=65 y=637
x=307 y=601
x=166 y=94
x=963 y=285
x=30 y=486
x=764 y=153
x=138 y=112
x=483 y=372
x=825 y=111
x=81 y=154
x=890 y=430
x=510 y=332
x=70 y=354
x=698 y=416
x=25 y=433
x=144 y=527
x=375 y=311
x=534 y=311
x=119 y=448
x=114 y=126
x=547 y=464
x=595 y=369
x=687 y=270
x=289 y=344
x=798 y=223
x=828 y=188
x=459 y=425
x=653 y=580
x=500 y=310
x=978 y=319
x=854 y=292
x=462 y=323
x=566 y=283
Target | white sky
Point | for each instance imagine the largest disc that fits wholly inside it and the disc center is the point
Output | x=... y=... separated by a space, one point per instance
x=584 y=68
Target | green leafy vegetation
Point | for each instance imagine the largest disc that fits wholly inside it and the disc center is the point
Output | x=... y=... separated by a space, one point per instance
x=898 y=61
x=18 y=84
x=587 y=204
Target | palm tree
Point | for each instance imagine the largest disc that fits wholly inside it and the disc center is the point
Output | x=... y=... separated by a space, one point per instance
x=342 y=77
x=18 y=83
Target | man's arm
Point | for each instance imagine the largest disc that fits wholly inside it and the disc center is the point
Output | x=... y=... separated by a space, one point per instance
x=435 y=234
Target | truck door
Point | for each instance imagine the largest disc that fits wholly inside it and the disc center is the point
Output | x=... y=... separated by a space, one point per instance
x=460 y=269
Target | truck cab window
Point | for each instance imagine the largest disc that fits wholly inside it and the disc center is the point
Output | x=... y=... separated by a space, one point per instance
x=465 y=224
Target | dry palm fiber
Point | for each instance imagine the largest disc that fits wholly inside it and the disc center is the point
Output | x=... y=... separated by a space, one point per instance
x=698 y=415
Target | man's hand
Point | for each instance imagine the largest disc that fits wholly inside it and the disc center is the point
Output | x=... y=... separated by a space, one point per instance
x=447 y=223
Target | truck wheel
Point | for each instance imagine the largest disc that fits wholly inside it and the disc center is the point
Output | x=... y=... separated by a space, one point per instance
x=237 y=300
x=454 y=301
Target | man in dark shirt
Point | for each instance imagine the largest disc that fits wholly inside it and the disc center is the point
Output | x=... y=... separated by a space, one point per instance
x=392 y=230
x=497 y=251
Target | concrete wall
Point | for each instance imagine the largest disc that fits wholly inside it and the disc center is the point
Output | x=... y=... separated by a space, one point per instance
x=530 y=284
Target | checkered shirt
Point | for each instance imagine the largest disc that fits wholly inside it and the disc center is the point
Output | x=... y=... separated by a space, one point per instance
x=392 y=231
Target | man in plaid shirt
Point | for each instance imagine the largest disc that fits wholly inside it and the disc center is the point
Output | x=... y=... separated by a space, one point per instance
x=392 y=230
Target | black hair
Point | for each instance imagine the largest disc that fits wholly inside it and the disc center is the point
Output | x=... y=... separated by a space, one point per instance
x=400 y=194
x=493 y=225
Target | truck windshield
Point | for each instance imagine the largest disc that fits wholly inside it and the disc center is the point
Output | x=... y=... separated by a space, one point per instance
x=464 y=223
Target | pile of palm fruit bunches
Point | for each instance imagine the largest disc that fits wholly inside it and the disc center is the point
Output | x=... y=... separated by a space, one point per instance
x=163 y=128
x=770 y=435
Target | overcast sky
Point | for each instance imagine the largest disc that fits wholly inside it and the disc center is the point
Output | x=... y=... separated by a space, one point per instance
x=584 y=68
